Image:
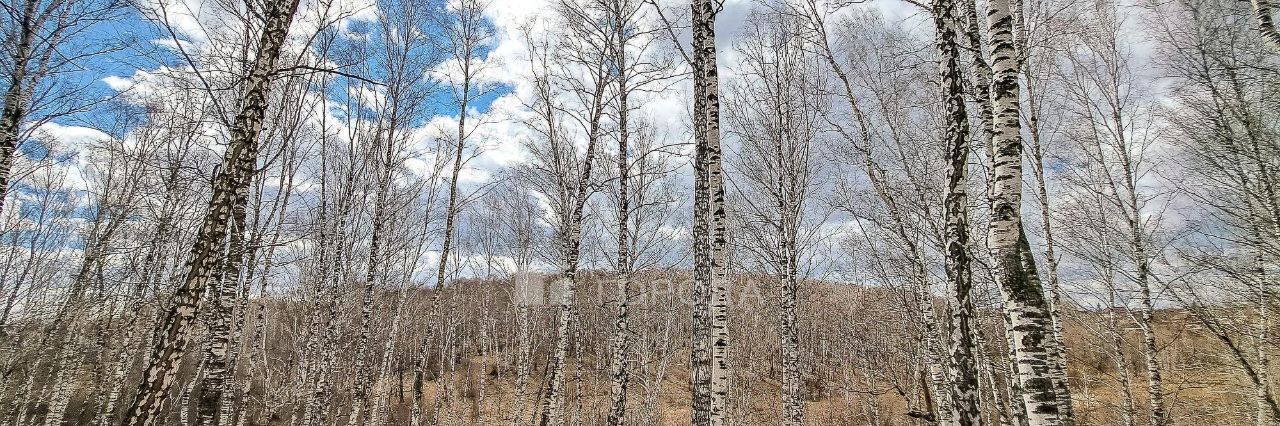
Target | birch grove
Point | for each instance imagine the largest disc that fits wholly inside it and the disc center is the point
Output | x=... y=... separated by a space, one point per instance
x=639 y=212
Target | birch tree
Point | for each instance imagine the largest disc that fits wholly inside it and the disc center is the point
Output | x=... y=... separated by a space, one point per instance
x=775 y=118
x=638 y=69
x=964 y=375
x=570 y=99
x=395 y=202
x=1117 y=148
x=466 y=34
x=404 y=51
x=1029 y=319
x=1086 y=240
x=234 y=175
x=1266 y=22
x=868 y=81
x=44 y=40
x=1038 y=66
x=709 y=363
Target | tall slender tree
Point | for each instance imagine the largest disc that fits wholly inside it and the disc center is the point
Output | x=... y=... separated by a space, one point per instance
x=1028 y=317
x=775 y=115
x=963 y=363
x=467 y=32
x=638 y=70
x=1116 y=143
x=1032 y=68
x=235 y=173
x=571 y=98
x=710 y=358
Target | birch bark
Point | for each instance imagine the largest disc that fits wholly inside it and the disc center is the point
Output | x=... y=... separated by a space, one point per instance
x=1032 y=119
x=621 y=329
x=710 y=367
x=1028 y=317
x=235 y=172
x=23 y=60
x=573 y=184
x=570 y=249
x=964 y=409
x=225 y=285
x=373 y=272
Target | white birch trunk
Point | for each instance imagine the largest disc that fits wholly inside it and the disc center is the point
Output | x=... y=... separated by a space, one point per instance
x=238 y=165
x=1026 y=309
x=225 y=285
x=963 y=397
x=16 y=95
x=710 y=357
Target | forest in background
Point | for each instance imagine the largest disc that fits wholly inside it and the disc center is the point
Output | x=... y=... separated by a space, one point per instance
x=881 y=212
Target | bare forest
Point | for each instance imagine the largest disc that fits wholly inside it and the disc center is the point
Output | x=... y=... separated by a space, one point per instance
x=639 y=212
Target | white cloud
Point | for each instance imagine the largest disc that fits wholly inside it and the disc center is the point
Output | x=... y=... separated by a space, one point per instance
x=69 y=139
x=67 y=146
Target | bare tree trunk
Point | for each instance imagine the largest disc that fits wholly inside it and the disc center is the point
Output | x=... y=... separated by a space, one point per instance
x=1050 y=256
x=710 y=358
x=16 y=97
x=451 y=211
x=621 y=331
x=148 y=277
x=122 y=359
x=230 y=386
x=1030 y=321
x=378 y=414
x=523 y=297
x=963 y=364
x=333 y=267
x=184 y=404
x=1126 y=197
x=67 y=339
x=570 y=247
x=937 y=357
x=1059 y=372
x=236 y=171
x=259 y=335
x=1261 y=339
x=360 y=390
x=1150 y=352
x=225 y=284
x=1138 y=251
x=422 y=359
x=67 y=370
x=792 y=403
x=523 y=345
x=999 y=394
x=465 y=41
x=1129 y=412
